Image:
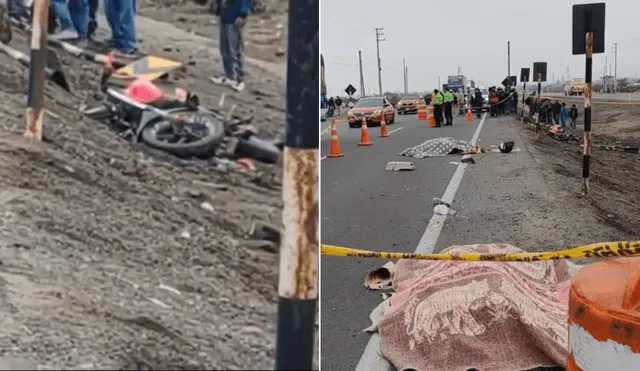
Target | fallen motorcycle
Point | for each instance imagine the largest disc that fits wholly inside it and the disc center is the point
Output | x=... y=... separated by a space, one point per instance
x=176 y=124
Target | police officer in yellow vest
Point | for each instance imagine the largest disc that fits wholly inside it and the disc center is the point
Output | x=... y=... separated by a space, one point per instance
x=448 y=107
x=437 y=107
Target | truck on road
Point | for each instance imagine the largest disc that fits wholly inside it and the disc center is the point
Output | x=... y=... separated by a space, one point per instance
x=575 y=88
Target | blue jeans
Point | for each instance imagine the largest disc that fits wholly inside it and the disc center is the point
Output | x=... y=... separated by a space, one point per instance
x=61 y=11
x=16 y=8
x=231 y=49
x=79 y=10
x=93 y=11
x=121 y=15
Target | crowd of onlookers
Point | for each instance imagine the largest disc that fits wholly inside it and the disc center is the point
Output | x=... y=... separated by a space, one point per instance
x=553 y=112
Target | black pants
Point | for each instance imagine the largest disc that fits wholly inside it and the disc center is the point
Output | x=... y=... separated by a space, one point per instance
x=448 y=114
x=494 y=110
x=437 y=112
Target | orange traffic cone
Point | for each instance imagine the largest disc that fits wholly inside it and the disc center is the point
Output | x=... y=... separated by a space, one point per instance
x=469 y=115
x=422 y=112
x=334 y=150
x=432 y=117
x=383 y=128
x=364 y=134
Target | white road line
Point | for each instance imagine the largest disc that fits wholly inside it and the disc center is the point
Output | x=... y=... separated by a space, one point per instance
x=394 y=130
x=322 y=158
x=371 y=359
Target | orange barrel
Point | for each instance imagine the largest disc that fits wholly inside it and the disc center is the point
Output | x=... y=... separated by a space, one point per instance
x=432 y=117
x=604 y=316
x=422 y=112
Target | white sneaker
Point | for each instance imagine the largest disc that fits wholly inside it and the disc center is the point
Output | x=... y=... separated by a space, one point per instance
x=219 y=80
x=237 y=85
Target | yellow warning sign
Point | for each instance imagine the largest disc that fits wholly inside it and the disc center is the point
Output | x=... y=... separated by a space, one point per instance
x=148 y=68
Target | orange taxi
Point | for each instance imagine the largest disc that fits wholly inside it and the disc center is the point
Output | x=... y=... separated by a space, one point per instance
x=409 y=103
x=372 y=109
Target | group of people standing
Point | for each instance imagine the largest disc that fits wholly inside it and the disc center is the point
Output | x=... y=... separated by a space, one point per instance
x=555 y=112
x=503 y=101
x=79 y=16
x=443 y=106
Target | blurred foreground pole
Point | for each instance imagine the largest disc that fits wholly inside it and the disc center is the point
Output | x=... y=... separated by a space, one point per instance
x=35 y=94
x=586 y=151
x=298 y=284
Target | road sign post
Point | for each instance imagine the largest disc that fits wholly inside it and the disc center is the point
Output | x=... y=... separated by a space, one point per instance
x=588 y=38
x=38 y=61
x=298 y=281
x=540 y=71
x=524 y=77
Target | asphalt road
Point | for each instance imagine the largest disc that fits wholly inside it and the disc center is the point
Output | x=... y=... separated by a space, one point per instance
x=364 y=206
x=500 y=198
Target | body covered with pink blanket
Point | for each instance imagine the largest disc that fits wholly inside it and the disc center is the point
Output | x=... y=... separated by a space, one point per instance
x=492 y=316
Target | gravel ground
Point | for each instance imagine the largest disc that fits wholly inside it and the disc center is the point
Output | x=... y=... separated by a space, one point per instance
x=113 y=256
x=614 y=174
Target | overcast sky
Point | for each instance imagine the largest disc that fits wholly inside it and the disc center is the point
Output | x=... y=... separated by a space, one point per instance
x=437 y=37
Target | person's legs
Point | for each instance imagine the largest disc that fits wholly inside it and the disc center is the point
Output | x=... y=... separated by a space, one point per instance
x=93 y=22
x=237 y=48
x=16 y=9
x=79 y=10
x=228 y=58
x=112 y=13
x=127 y=18
x=61 y=11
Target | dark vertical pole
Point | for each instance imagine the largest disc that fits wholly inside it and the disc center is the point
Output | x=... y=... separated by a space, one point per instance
x=524 y=94
x=586 y=151
x=508 y=58
x=538 y=99
x=35 y=93
x=298 y=282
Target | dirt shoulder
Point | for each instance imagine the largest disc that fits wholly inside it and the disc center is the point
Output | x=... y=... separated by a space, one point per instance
x=614 y=174
x=265 y=34
x=108 y=257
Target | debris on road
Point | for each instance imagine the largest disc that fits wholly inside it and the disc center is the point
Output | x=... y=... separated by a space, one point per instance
x=400 y=166
x=468 y=160
x=439 y=201
x=381 y=278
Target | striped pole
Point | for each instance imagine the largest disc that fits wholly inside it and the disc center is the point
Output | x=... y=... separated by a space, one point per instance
x=524 y=94
x=586 y=151
x=298 y=283
x=538 y=100
x=37 y=75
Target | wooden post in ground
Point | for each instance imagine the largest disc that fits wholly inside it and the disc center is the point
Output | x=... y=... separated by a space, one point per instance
x=37 y=78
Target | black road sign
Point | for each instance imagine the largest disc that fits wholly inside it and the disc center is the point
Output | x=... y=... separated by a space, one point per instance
x=540 y=68
x=350 y=90
x=583 y=14
x=524 y=74
x=506 y=81
x=513 y=80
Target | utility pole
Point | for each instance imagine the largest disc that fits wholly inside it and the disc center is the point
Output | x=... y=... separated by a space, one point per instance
x=379 y=37
x=508 y=58
x=568 y=75
x=615 y=71
x=439 y=87
x=362 y=91
x=404 y=75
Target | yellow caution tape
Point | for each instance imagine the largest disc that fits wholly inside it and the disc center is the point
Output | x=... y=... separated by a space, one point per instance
x=596 y=250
